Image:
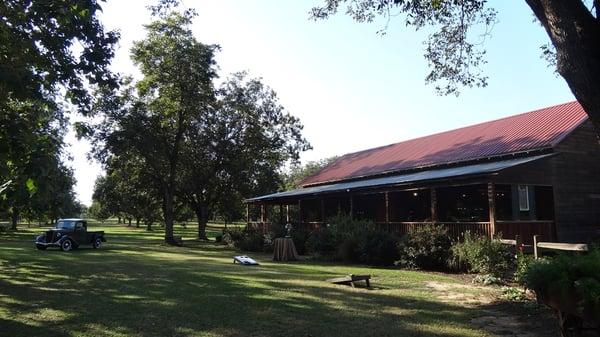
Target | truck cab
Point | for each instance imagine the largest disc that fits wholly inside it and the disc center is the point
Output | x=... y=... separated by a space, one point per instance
x=69 y=234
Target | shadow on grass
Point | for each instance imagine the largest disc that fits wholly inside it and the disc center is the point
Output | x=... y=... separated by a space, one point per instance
x=134 y=287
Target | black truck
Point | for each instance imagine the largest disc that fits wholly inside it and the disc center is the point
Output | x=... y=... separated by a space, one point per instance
x=69 y=234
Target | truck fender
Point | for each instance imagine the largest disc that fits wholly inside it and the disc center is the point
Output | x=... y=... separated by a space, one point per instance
x=66 y=237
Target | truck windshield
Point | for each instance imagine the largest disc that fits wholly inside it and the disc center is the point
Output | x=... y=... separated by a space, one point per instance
x=65 y=225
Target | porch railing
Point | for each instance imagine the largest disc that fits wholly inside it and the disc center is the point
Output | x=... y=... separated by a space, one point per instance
x=509 y=229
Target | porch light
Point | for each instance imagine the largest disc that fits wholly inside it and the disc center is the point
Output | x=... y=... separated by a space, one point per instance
x=415 y=194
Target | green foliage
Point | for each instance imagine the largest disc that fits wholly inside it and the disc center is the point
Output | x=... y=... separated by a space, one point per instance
x=426 y=247
x=513 y=294
x=483 y=255
x=351 y=240
x=567 y=278
x=247 y=239
x=180 y=139
x=487 y=279
x=40 y=40
x=523 y=262
x=453 y=51
x=297 y=173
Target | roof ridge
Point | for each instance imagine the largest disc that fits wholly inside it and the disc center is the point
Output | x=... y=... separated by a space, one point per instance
x=452 y=130
x=538 y=128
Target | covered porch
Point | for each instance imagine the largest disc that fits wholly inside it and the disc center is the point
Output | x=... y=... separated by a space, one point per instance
x=473 y=201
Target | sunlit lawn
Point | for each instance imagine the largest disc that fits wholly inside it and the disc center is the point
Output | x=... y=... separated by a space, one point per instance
x=135 y=286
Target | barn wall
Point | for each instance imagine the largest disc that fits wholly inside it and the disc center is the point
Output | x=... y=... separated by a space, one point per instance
x=577 y=186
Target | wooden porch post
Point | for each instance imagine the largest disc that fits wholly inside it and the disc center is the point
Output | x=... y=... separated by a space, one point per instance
x=351 y=207
x=434 y=215
x=287 y=213
x=387 y=207
x=280 y=213
x=299 y=212
x=248 y=213
x=323 y=210
x=262 y=213
x=492 y=207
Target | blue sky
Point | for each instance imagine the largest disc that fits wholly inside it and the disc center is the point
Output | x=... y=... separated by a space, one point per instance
x=351 y=88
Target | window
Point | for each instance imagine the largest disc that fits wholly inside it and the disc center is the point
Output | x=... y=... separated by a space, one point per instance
x=523 y=197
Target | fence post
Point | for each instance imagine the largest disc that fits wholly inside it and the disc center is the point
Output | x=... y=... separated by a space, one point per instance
x=535 y=247
x=518 y=244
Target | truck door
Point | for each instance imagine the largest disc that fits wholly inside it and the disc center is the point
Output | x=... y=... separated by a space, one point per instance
x=80 y=233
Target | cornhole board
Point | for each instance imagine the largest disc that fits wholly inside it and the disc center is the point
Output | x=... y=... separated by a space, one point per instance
x=245 y=260
x=351 y=279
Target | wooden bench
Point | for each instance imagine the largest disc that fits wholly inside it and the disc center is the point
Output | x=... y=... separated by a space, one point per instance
x=351 y=279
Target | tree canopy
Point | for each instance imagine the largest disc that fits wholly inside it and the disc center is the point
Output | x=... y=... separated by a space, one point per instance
x=455 y=50
x=185 y=139
x=51 y=52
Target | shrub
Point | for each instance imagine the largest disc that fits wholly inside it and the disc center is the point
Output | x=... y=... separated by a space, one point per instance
x=300 y=238
x=246 y=239
x=352 y=240
x=483 y=255
x=379 y=248
x=322 y=242
x=426 y=247
x=567 y=278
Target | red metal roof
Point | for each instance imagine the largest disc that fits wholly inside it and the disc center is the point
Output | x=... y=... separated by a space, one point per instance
x=539 y=129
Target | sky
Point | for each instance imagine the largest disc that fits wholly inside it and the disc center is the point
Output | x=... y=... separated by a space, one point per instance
x=352 y=88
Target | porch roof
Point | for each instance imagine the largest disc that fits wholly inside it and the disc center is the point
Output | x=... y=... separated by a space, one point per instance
x=402 y=179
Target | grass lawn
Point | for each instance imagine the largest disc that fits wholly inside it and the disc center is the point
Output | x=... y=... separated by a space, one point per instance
x=135 y=286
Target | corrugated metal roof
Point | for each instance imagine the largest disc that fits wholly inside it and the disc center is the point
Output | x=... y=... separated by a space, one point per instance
x=534 y=130
x=422 y=176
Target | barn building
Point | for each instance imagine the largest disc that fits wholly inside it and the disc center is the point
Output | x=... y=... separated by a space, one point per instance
x=536 y=173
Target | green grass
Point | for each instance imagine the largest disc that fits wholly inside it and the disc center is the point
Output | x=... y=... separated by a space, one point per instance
x=135 y=286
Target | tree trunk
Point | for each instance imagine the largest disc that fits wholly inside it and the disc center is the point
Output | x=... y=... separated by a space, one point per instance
x=149 y=226
x=119 y=220
x=14 y=218
x=137 y=222
x=575 y=33
x=129 y=225
x=168 y=215
x=202 y=218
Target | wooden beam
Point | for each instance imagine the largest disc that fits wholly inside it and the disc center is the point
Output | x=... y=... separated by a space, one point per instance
x=299 y=212
x=323 y=209
x=287 y=213
x=248 y=213
x=434 y=216
x=262 y=213
x=492 y=208
x=280 y=213
x=387 y=207
x=351 y=206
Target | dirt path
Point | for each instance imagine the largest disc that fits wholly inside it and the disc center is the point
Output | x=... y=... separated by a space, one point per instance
x=495 y=315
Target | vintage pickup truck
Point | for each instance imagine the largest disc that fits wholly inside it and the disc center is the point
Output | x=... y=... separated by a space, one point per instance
x=69 y=234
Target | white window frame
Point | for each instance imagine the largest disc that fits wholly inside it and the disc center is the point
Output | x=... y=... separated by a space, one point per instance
x=523 y=192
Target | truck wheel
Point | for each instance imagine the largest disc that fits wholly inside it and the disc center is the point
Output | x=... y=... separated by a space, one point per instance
x=97 y=243
x=66 y=245
x=41 y=247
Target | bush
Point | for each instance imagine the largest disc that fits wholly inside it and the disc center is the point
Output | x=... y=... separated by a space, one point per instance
x=322 y=242
x=379 y=248
x=247 y=239
x=567 y=278
x=426 y=247
x=483 y=255
x=352 y=240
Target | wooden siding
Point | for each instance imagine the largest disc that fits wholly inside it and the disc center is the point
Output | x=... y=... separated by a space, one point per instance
x=577 y=186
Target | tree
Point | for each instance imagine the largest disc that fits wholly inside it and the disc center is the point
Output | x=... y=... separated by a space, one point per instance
x=51 y=52
x=149 y=120
x=454 y=54
x=297 y=173
x=52 y=44
x=237 y=149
